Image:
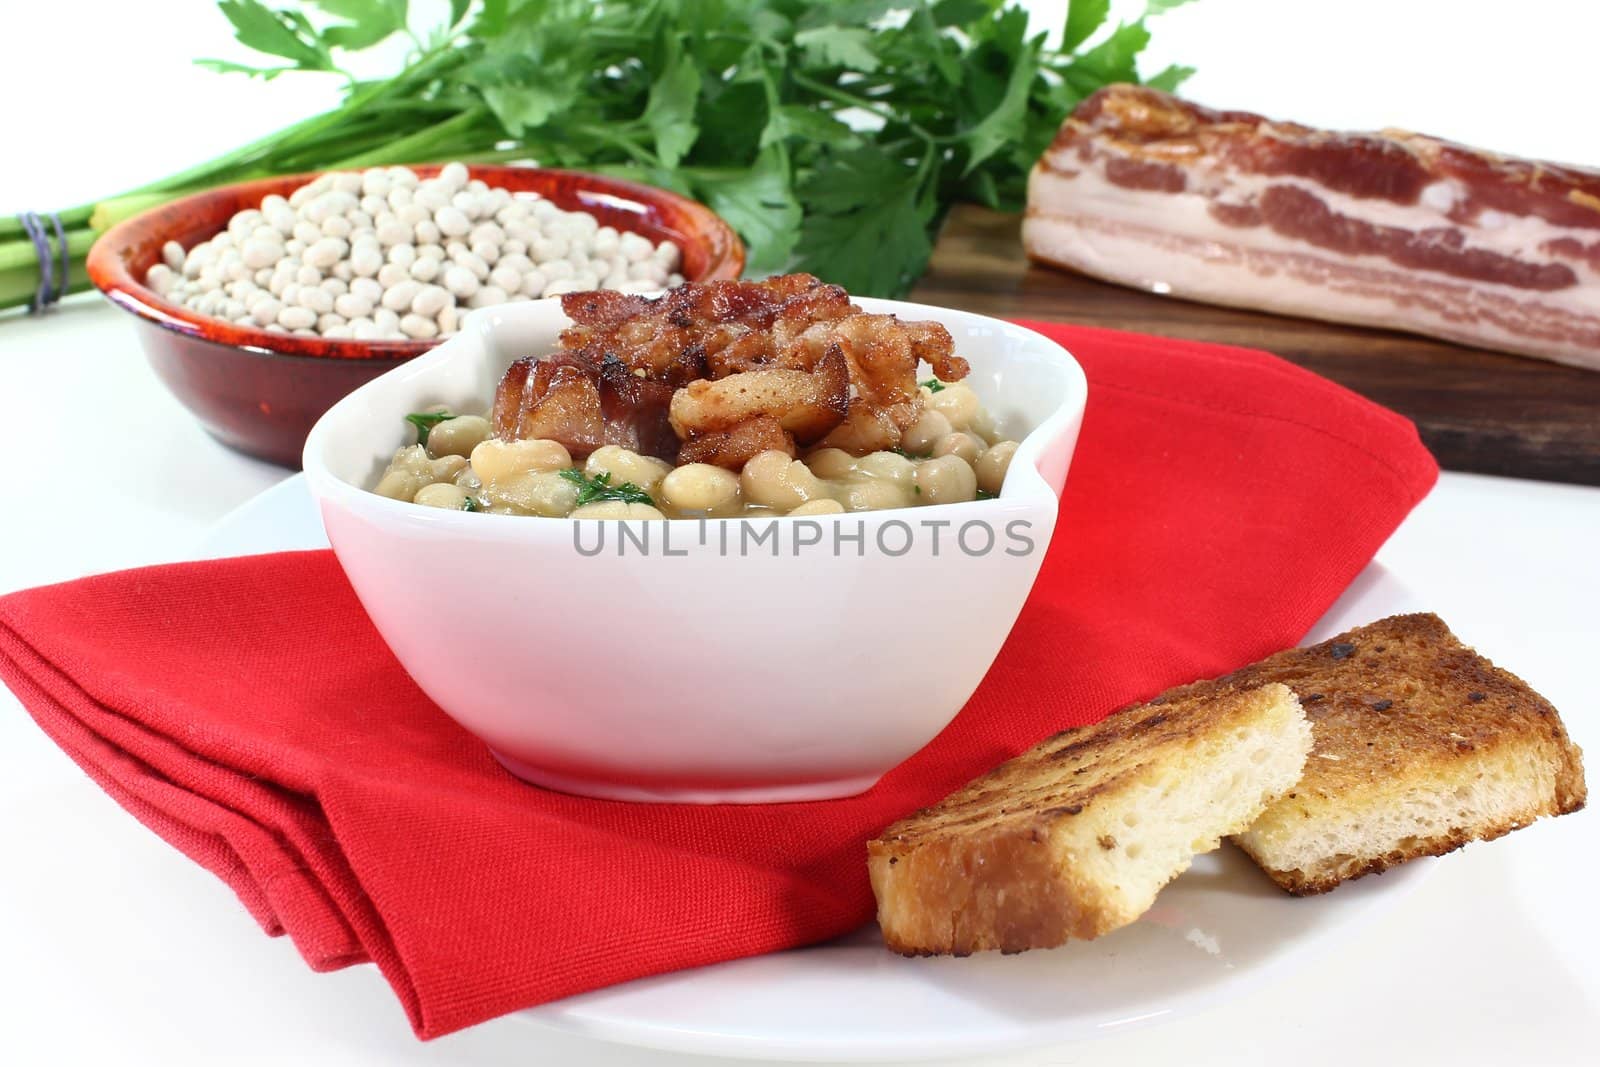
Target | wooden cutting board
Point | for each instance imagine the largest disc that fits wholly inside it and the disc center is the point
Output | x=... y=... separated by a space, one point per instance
x=1477 y=411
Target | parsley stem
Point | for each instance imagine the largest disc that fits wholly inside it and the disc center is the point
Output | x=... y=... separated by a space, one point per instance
x=418 y=147
x=869 y=106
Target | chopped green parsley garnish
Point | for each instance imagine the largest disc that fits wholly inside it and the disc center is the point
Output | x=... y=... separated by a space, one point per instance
x=599 y=488
x=425 y=421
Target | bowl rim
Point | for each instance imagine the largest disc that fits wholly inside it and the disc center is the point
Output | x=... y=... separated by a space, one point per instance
x=109 y=272
x=1025 y=487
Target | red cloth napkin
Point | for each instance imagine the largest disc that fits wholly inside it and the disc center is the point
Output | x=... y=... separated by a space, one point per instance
x=247 y=711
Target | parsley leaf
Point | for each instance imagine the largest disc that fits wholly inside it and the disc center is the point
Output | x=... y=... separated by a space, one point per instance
x=839 y=46
x=868 y=227
x=425 y=421
x=600 y=488
x=287 y=34
x=471 y=504
x=670 y=113
x=760 y=203
x=1083 y=18
x=932 y=385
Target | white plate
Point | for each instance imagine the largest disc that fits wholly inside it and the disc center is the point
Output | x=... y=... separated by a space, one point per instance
x=1217 y=930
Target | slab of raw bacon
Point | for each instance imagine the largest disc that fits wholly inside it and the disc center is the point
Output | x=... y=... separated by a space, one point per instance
x=1389 y=229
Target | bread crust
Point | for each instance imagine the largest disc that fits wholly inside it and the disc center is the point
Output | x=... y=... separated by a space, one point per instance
x=1046 y=847
x=1407 y=723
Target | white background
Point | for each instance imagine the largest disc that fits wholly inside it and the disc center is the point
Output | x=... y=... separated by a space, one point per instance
x=113 y=947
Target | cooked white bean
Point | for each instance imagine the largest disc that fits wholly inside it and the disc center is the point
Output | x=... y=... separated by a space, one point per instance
x=926 y=432
x=458 y=436
x=832 y=463
x=700 y=487
x=875 y=495
x=992 y=466
x=625 y=465
x=888 y=466
x=774 y=480
x=616 y=509
x=495 y=460
x=412 y=468
x=533 y=493
x=820 y=506
x=956 y=402
x=946 y=480
x=965 y=445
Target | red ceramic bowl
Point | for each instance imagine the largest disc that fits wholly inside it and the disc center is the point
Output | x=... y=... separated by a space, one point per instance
x=260 y=392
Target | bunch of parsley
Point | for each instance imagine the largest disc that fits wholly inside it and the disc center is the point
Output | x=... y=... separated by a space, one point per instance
x=832 y=136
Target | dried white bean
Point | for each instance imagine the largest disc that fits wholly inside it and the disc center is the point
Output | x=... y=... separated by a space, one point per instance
x=297 y=318
x=352 y=306
x=315 y=299
x=418 y=328
x=266 y=312
x=451 y=220
x=635 y=247
x=159 y=278
x=460 y=281
x=399 y=297
x=488 y=296
x=430 y=300
x=258 y=253
x=392 y=274
x=392 y=231
x=359 y=250
x=425 y=269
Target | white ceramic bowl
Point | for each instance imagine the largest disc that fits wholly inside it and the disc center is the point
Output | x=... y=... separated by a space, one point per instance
x=729 y=660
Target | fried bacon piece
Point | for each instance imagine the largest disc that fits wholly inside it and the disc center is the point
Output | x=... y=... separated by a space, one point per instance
x=687 y=331
x=882 y=353
x=555 y=399
x=735 y=447
x=635 y=411
x=806 y=403
x=713 y=371
x=865 y=429
x=561 y=399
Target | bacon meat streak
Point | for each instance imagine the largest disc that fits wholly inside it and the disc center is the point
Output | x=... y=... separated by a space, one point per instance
x=1388 y=229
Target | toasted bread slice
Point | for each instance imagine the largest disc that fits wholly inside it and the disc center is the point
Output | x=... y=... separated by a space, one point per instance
x=1074 y=838
x=1421 y=745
